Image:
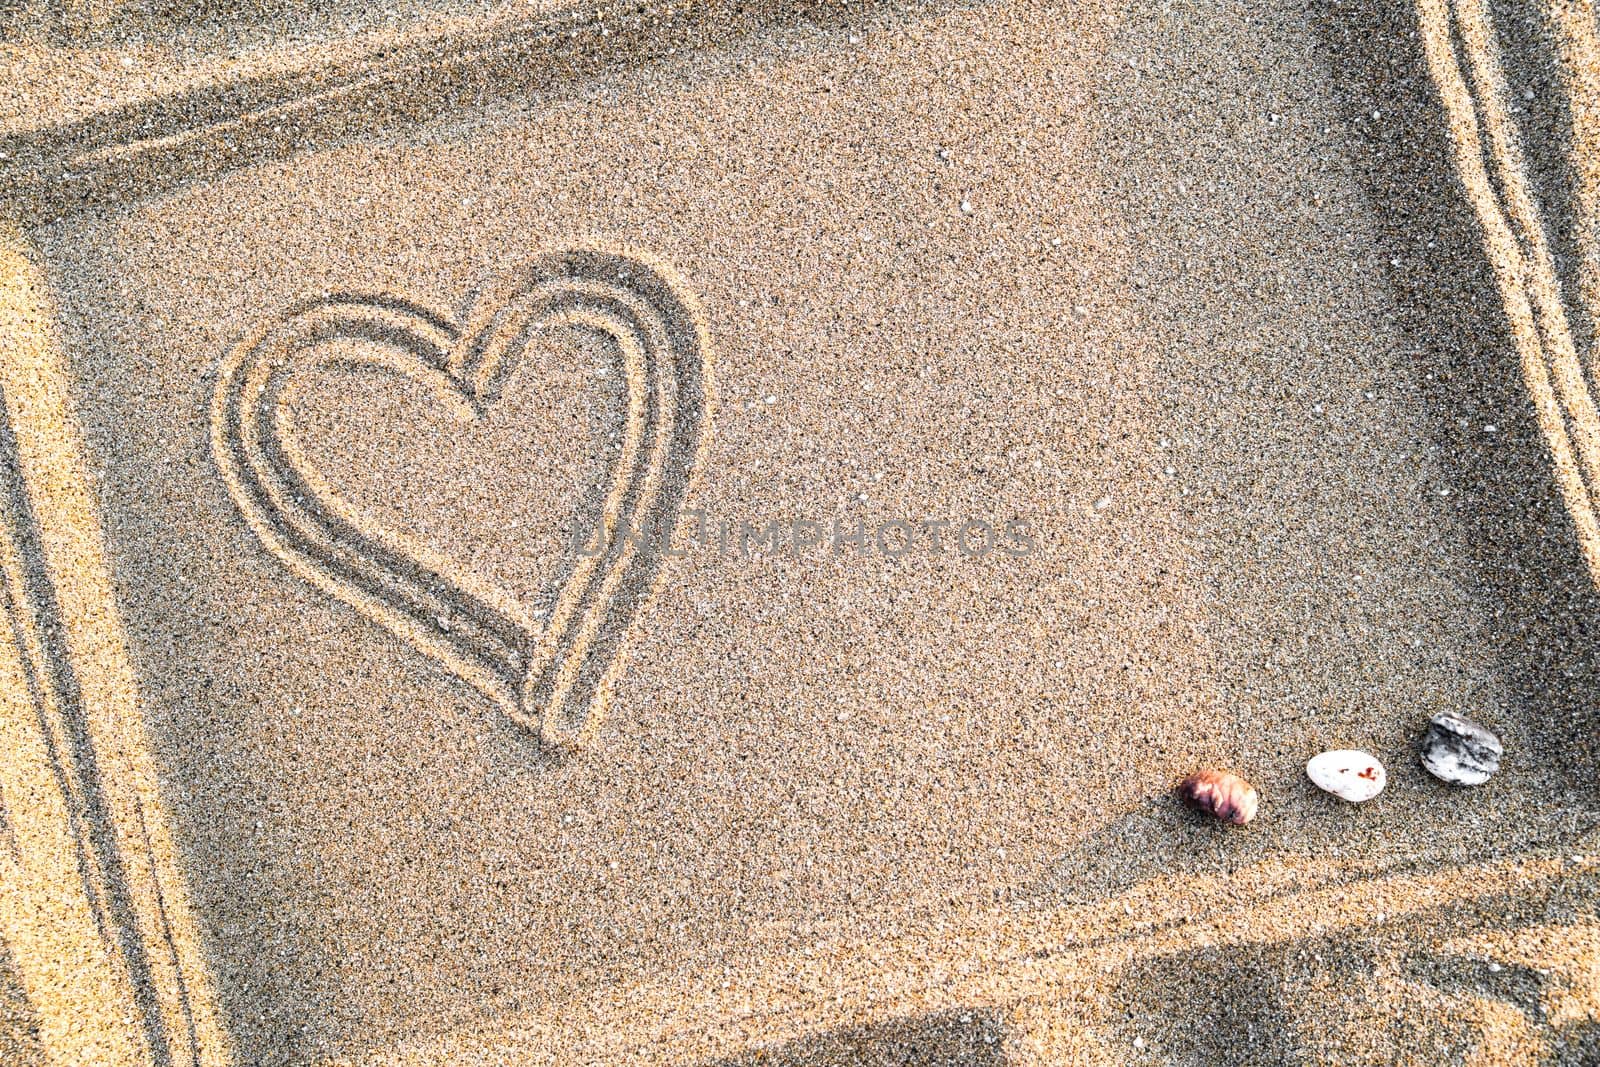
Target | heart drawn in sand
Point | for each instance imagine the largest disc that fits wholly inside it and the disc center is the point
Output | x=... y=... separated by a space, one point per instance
x=552 y=676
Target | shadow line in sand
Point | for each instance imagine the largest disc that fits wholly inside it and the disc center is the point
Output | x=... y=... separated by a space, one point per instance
x=1473 y=980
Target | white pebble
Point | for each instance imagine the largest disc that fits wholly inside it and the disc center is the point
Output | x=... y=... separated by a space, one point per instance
x=1348 y=774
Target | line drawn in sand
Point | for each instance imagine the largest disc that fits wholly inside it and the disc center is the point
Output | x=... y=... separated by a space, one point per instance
x=555 y=676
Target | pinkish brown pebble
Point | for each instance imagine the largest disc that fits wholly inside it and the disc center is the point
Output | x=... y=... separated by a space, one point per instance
x=1221 y=794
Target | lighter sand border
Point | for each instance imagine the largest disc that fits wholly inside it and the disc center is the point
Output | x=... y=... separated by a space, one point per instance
x=1518 y=249
x=985 y=958
x=98 y=919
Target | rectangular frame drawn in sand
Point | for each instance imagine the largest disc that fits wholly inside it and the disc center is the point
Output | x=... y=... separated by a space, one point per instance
x=96 y=914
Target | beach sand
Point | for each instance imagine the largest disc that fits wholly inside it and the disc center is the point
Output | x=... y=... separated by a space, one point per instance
x=1202 y=294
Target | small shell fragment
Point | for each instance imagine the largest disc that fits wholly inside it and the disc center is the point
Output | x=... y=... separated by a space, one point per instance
x=1348 y=774
x=1222 y=795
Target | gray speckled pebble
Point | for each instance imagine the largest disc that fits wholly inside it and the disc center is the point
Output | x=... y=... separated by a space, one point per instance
x=1459 y=751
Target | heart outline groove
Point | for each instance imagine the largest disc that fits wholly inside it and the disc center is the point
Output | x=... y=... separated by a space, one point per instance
x=554 y=678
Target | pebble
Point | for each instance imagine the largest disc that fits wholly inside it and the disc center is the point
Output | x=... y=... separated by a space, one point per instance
x=1348 y=774
x=1459 y=751
x=1222 y=795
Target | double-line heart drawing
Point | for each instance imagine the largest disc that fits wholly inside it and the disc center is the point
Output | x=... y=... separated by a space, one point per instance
x=554 y=676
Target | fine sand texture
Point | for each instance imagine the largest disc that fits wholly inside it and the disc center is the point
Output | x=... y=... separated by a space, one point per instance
x=1042 y=405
